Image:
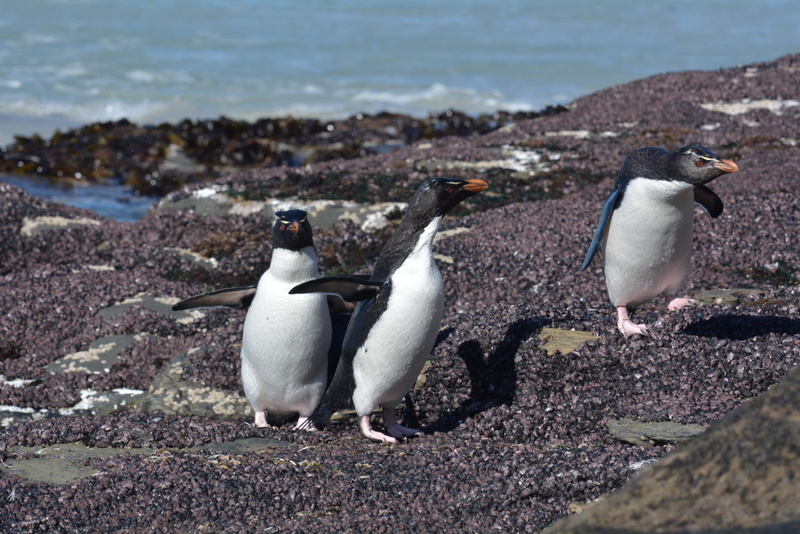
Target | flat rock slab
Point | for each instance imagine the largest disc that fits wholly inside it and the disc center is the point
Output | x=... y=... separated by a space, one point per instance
x=641 y=433
x=61 y=463
x=97 y=358
x=559 y=340
x=64 y=463
x=162 y=305
x=170 y=393
x=725 y=297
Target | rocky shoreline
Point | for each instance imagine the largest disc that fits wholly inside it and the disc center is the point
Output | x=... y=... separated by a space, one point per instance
x=528 y=378
x=157 y=159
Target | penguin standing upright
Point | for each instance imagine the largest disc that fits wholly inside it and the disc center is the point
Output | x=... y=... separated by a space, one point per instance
x=286 y=338
x=394 y=327
x=646 y=226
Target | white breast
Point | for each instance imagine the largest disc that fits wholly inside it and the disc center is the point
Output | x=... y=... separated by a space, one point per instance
x=389 y=362
x=648 y=241
x=286 y=338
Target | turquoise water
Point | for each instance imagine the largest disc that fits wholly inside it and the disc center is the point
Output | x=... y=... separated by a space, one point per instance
x=68 y=62
x=64 y=63
x=112 y=201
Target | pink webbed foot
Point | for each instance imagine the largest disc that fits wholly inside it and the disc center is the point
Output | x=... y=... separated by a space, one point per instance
x=628 y=327
x=675 y=303
x=393 y=427
x=374 y=435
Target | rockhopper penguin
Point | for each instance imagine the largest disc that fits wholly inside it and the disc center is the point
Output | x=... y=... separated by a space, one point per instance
x=286 y=339
x=394 y=327
x=646 y=226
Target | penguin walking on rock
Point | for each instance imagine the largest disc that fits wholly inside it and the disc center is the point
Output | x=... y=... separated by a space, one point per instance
x=646 y=226
x=393 y=328
x=286 y=338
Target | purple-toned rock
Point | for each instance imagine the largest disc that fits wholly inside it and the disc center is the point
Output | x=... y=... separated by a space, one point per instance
x=527 y=373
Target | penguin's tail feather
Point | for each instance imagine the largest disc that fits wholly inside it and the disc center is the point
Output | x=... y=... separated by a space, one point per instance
x=320 y=418
x=338 y=395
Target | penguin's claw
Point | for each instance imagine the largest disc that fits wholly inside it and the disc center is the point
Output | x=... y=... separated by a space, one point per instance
x=675 y=303
x=399 y=431
x=374 y=435
x=393 y=427
x=628 y=329
x=626 y=326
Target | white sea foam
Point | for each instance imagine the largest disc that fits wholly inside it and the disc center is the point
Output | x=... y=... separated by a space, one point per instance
x=140 y=76
x=68 y=71
x=437 y=90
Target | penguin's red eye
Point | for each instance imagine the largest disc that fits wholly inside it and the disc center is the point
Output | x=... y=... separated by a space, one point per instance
x=451 y=190
x=700 y=163
x=283 y=228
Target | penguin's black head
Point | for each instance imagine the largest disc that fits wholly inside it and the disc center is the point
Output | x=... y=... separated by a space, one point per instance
x=697 y=165
x=437 y=196
x=292 y=230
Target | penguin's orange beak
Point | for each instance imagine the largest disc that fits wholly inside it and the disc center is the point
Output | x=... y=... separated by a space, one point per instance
x=726 y=165
x=476 y=186
x=294 y=227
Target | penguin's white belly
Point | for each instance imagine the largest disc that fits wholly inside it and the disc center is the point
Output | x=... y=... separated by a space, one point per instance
x=285 y=349
x=388 y=364
x=648 y=243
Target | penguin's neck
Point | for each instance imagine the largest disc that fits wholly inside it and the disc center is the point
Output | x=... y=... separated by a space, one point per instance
x=408 y=241
x=294 y=266
x=672 y=191
x=425 y=240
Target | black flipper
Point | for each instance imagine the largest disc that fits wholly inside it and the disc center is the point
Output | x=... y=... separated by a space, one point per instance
x=232 y=297
x=605 y=216
x=350 y=288
x=708 y=200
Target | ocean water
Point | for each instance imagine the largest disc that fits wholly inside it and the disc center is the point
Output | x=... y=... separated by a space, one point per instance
x=64 y=63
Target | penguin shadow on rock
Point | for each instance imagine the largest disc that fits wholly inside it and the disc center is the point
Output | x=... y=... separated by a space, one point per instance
x=493 y=380
x=740 y=327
